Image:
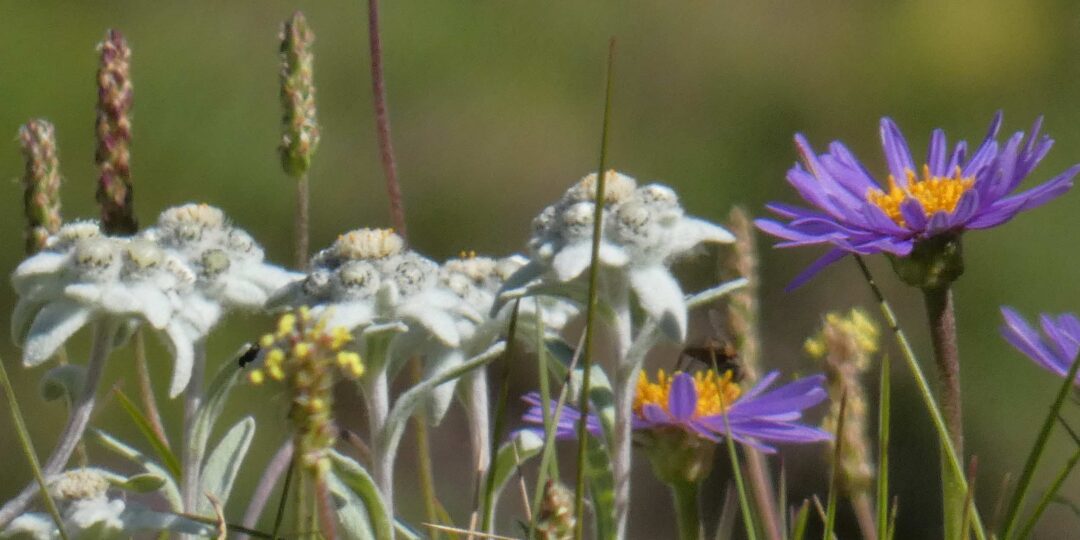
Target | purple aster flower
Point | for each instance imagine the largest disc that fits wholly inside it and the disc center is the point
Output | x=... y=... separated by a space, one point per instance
x=695 y=403
x=1054 y=350
x=950 y=193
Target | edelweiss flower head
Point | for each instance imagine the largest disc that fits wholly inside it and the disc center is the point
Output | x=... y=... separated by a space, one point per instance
x=1055 y=350
x=950 y=193
x=697 y=403
x=359 y=244
x=60 y=292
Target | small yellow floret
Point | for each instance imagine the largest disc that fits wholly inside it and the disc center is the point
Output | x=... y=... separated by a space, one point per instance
x=266 y=341
x=286 y=325
x=715 y=392
x=302 y=350
x=276 y=372
x=256 y=377
x=934 y=193
x=275 y=357
x=339 y=337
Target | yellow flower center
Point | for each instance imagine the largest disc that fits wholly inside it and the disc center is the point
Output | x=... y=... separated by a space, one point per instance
x=715 y=391
x=934 y=193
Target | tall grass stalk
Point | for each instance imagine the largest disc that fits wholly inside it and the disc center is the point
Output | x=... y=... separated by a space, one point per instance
x=884 y=406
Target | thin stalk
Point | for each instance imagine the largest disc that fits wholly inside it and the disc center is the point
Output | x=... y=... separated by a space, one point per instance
x=834 y=483
x=687 y=511
x=590 y=322
x=382 y=121
x=965 y=521
x=740 y=488
x=303 y=500
x=1037 y=449
x=924 y=388
x=424 y=472
x=1048 y=497
x=490 y=449
x=324 y=506
x=279 y=463
x=28 y=450
x=146 y=392
x=545 y=377
x=76 y=424
x=941 y=313
x=302 y=222
x=191 y=455
x=283 y=501
x=884 y=399
x=764 y=498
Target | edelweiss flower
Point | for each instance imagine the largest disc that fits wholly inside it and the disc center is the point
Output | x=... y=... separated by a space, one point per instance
x=696 y=404
x=367 y=275
x=1055 y=350
x=949 y=194
x=644 y=229
x=227 y=269
x=88 y=512
x=82 y=276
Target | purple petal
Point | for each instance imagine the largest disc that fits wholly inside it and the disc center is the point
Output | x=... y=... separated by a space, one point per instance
x=682 y=398
x=828 y=258
x=896 y=149
x=914 y=215
x=935 y=155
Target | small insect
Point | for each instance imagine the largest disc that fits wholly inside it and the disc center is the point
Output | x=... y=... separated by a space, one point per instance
x=717 y=353
x=249 y=352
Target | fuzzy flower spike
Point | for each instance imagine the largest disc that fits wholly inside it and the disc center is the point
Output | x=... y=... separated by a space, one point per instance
x=918 y=204
x=1055 y=350
x=696 y=404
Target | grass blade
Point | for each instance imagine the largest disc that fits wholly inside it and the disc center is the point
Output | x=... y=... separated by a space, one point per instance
x=590 y=314
x=488 y=498
x=884 y=393
x=1026 y=476
x=740 y=487
x=800 y=521
x=161 y=448
x=545 y=378
x=28 y=449
x=1049 y=495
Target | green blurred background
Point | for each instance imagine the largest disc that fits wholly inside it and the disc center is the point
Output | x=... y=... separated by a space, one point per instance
x=496 y=107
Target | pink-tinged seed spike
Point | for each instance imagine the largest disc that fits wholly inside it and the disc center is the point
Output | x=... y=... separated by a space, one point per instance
x=300 y=129
x=113 y=130
x=41 y=183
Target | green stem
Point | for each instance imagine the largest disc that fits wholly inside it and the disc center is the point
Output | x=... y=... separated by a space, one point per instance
x=1048 y=497
x=192 y=454
x=740 y=488
x=283 y=501
x=302 y=222
x=28 y=449
x=1036 y=453
x=924 y=389
x=942 y=317
x=423 y=456
x=884 y=399
x=687 y=510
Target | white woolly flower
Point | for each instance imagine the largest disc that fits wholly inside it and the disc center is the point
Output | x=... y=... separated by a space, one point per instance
x=82 y=276
x=85 y=509
x=228 y=271
x=644 y=230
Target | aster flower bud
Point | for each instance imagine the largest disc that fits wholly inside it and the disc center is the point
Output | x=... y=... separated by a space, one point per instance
x=300 y=130
x=113 y=155
x=41 y=183
x=844 y=345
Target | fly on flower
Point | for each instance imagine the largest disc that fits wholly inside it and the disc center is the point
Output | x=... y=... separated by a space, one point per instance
x=914 y=204
x=717 y=352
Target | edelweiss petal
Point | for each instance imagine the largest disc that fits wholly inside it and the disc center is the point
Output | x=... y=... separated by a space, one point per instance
x=661 y=298
x=53 y=325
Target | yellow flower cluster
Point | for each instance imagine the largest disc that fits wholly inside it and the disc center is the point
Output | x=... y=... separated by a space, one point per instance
x=309 y=359
x=715 y=391
x=934 y=193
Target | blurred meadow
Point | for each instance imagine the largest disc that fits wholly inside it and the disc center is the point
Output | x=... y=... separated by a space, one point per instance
x=496 y=109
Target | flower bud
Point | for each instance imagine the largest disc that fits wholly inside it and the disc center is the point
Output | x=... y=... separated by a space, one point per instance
x=41 y=182
x=300 y=130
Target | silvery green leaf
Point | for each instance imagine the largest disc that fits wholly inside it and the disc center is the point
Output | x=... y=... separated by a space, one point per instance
x=521 y=446
x=21 y=317
x=139 y=483
x=242 y=293
x=169 y=489
x=224 y=462
x=217 y=394
x=438 y=322
x=53 y=325
x=37 y=267
x=712 y=294
x=137 y=518
x=690 y=232
x=351 y=512
x=438 y=401
x=661 y=299
x=63 y=382
x=353 y=476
